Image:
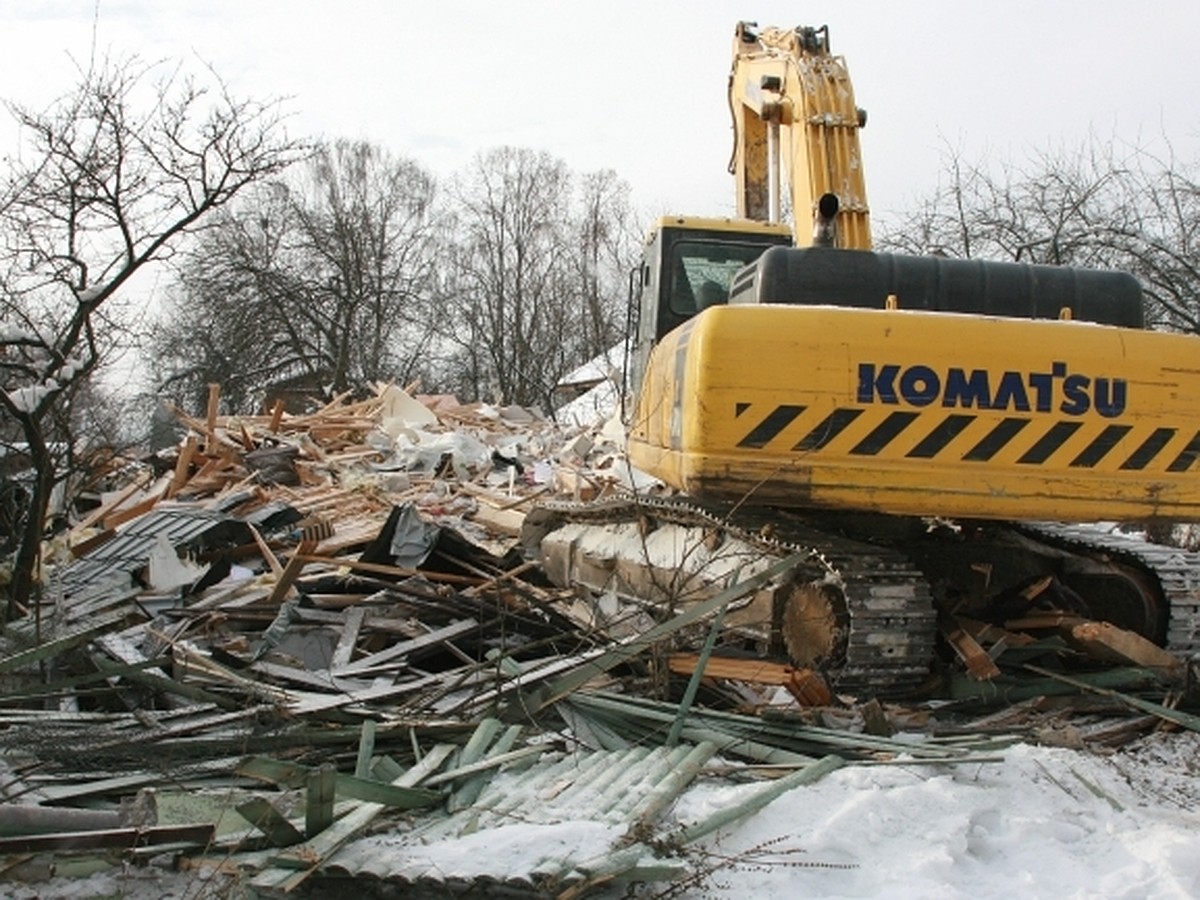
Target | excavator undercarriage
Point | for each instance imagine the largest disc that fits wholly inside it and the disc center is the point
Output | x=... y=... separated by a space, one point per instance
x=864 y=608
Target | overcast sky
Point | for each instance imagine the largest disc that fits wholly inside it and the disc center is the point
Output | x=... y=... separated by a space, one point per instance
x=639 y=87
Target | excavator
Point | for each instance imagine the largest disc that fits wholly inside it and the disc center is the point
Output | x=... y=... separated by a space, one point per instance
x=938 y=436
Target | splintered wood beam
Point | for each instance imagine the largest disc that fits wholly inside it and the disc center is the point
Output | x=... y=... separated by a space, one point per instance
x=808 y=687
x=1107 y=642
x=758 y=671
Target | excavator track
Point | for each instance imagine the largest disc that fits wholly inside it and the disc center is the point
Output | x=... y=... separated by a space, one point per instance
x=870 y=606
x=863 y=614
x=1176 y=571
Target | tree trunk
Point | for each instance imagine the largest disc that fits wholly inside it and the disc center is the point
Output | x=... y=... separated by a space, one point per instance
x=30 y=549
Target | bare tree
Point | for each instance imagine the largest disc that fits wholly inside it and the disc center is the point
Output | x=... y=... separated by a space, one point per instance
x=323 y=280
x=608 y=242
x=1097 y=206
x=534 y=279
x=118 y=171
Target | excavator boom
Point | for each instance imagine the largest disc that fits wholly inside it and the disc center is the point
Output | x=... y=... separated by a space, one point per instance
x=793 y=106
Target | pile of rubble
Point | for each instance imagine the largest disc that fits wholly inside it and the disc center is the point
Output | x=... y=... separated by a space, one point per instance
x=309 y=648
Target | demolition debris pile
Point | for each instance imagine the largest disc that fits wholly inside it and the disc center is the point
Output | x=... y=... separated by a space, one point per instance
x=312 y=647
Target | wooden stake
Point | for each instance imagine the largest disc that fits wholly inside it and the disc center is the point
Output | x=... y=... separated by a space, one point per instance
x=276 y=416
x=214 y=396
x=183 y=465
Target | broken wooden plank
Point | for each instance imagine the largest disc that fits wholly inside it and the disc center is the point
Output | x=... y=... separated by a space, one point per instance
x=489 y=762
x=320 y=790
x=291 y=572
x=191 y=661
x=338 y=562
x=268 y=555
x=387 y=658
x=106 y=508
x=993 y=636
x=199 y=835
x=344 y=650
x=270 y=821
x=158 y=682
x=276 y=416
x=693 y=686
x=1183 y=719
x=805 y=685
x=467 y=793
x=366 y=748
x=1006 y=689
x=979 y=665
x=1044 y=620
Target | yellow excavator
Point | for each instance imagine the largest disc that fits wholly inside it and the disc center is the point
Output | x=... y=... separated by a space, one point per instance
x=916 y=423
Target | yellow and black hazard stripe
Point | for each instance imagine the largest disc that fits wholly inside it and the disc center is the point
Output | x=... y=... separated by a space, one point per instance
x=763 y=429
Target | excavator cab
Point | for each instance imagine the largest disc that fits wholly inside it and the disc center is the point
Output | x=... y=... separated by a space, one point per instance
x=688 y=265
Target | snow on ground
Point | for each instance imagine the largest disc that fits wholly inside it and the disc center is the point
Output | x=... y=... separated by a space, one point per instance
x=1041 y=823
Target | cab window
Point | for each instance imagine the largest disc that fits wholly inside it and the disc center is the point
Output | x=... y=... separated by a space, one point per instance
x=701 y=273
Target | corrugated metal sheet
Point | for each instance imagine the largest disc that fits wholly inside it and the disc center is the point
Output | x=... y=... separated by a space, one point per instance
x=572 y=811
x=130 y=550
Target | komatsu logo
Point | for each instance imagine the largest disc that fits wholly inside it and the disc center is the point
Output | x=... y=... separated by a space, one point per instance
x=1058 y=390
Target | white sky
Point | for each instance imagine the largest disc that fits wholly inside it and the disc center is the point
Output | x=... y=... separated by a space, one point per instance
x=639 y=87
